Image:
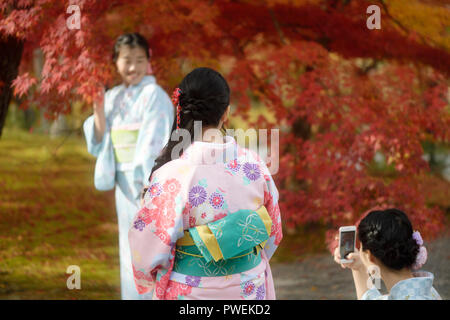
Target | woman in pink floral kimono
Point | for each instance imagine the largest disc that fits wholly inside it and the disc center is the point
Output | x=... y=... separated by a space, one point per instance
x=210 y=219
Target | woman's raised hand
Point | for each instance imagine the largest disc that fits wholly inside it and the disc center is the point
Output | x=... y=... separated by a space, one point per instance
x=99 y=116
x=355 y=265
x=99 y=102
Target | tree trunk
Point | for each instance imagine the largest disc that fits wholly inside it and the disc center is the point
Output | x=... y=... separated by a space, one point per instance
x=11 y=50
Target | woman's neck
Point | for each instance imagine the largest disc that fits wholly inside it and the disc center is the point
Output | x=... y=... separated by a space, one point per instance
x=214 y=135
x=390 y=278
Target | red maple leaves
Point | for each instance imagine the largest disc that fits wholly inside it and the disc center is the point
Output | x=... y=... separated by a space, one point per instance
x=23 y=83
x=341 y=94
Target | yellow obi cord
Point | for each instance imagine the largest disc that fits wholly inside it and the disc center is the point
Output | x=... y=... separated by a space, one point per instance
x=208 y=239
x=267 y=220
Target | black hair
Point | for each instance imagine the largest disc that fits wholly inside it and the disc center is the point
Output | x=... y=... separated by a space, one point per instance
x=132 y=40
x=388 y=236
x=205 y=96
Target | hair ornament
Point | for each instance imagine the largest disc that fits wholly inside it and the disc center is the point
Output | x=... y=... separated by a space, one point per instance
x=176 y=101
x=422 y=254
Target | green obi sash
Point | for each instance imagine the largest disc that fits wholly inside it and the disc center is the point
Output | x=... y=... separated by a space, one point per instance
x=224 y=247
x=189 y=261
x=124 y=143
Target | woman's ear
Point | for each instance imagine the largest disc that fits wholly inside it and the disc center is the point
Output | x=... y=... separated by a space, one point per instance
x=225 y=116
x=227 y=113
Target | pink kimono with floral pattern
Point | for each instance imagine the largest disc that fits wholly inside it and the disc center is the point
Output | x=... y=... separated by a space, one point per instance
x=200 y=187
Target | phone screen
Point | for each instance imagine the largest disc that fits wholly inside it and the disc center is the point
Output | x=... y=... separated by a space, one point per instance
x=347 y=244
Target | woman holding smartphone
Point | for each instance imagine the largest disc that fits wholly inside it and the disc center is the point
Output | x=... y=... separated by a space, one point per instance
x=392 y=252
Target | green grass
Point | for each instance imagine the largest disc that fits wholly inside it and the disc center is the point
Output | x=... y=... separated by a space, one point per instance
x=52 y=217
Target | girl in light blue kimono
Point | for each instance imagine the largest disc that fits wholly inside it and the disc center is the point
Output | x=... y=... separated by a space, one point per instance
x=126 y=133
x=392 y=252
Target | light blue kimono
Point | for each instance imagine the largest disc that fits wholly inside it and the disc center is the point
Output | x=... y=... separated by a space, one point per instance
x=418 y=288
x=138 y=124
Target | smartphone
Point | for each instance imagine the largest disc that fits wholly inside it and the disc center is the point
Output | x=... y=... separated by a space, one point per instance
x=347 y=242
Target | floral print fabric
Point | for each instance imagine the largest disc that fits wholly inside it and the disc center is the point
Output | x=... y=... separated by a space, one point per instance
x=189 y=192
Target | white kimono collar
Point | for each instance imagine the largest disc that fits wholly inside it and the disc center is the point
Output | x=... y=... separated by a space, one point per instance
x=200 y=152
x=133 y=88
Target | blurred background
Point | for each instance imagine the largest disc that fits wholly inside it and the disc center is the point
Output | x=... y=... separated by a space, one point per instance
x=363 y=113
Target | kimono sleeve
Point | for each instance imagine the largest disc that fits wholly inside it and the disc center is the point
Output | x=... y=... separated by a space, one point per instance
x=271 y=204
x=104 y=176
x=154 y=231
x=153 y=135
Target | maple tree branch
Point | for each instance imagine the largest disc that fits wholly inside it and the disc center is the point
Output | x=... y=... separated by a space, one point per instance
x=424 y=40
x=277 y=26
x=385 y=8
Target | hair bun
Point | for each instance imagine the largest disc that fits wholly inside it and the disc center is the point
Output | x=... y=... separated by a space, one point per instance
x=388 y=235
x=398 y=255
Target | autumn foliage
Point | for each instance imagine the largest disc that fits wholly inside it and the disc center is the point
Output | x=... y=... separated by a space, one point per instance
x=340 y=93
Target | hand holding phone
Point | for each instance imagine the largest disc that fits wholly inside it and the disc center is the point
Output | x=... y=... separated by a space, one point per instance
x=347 y=241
